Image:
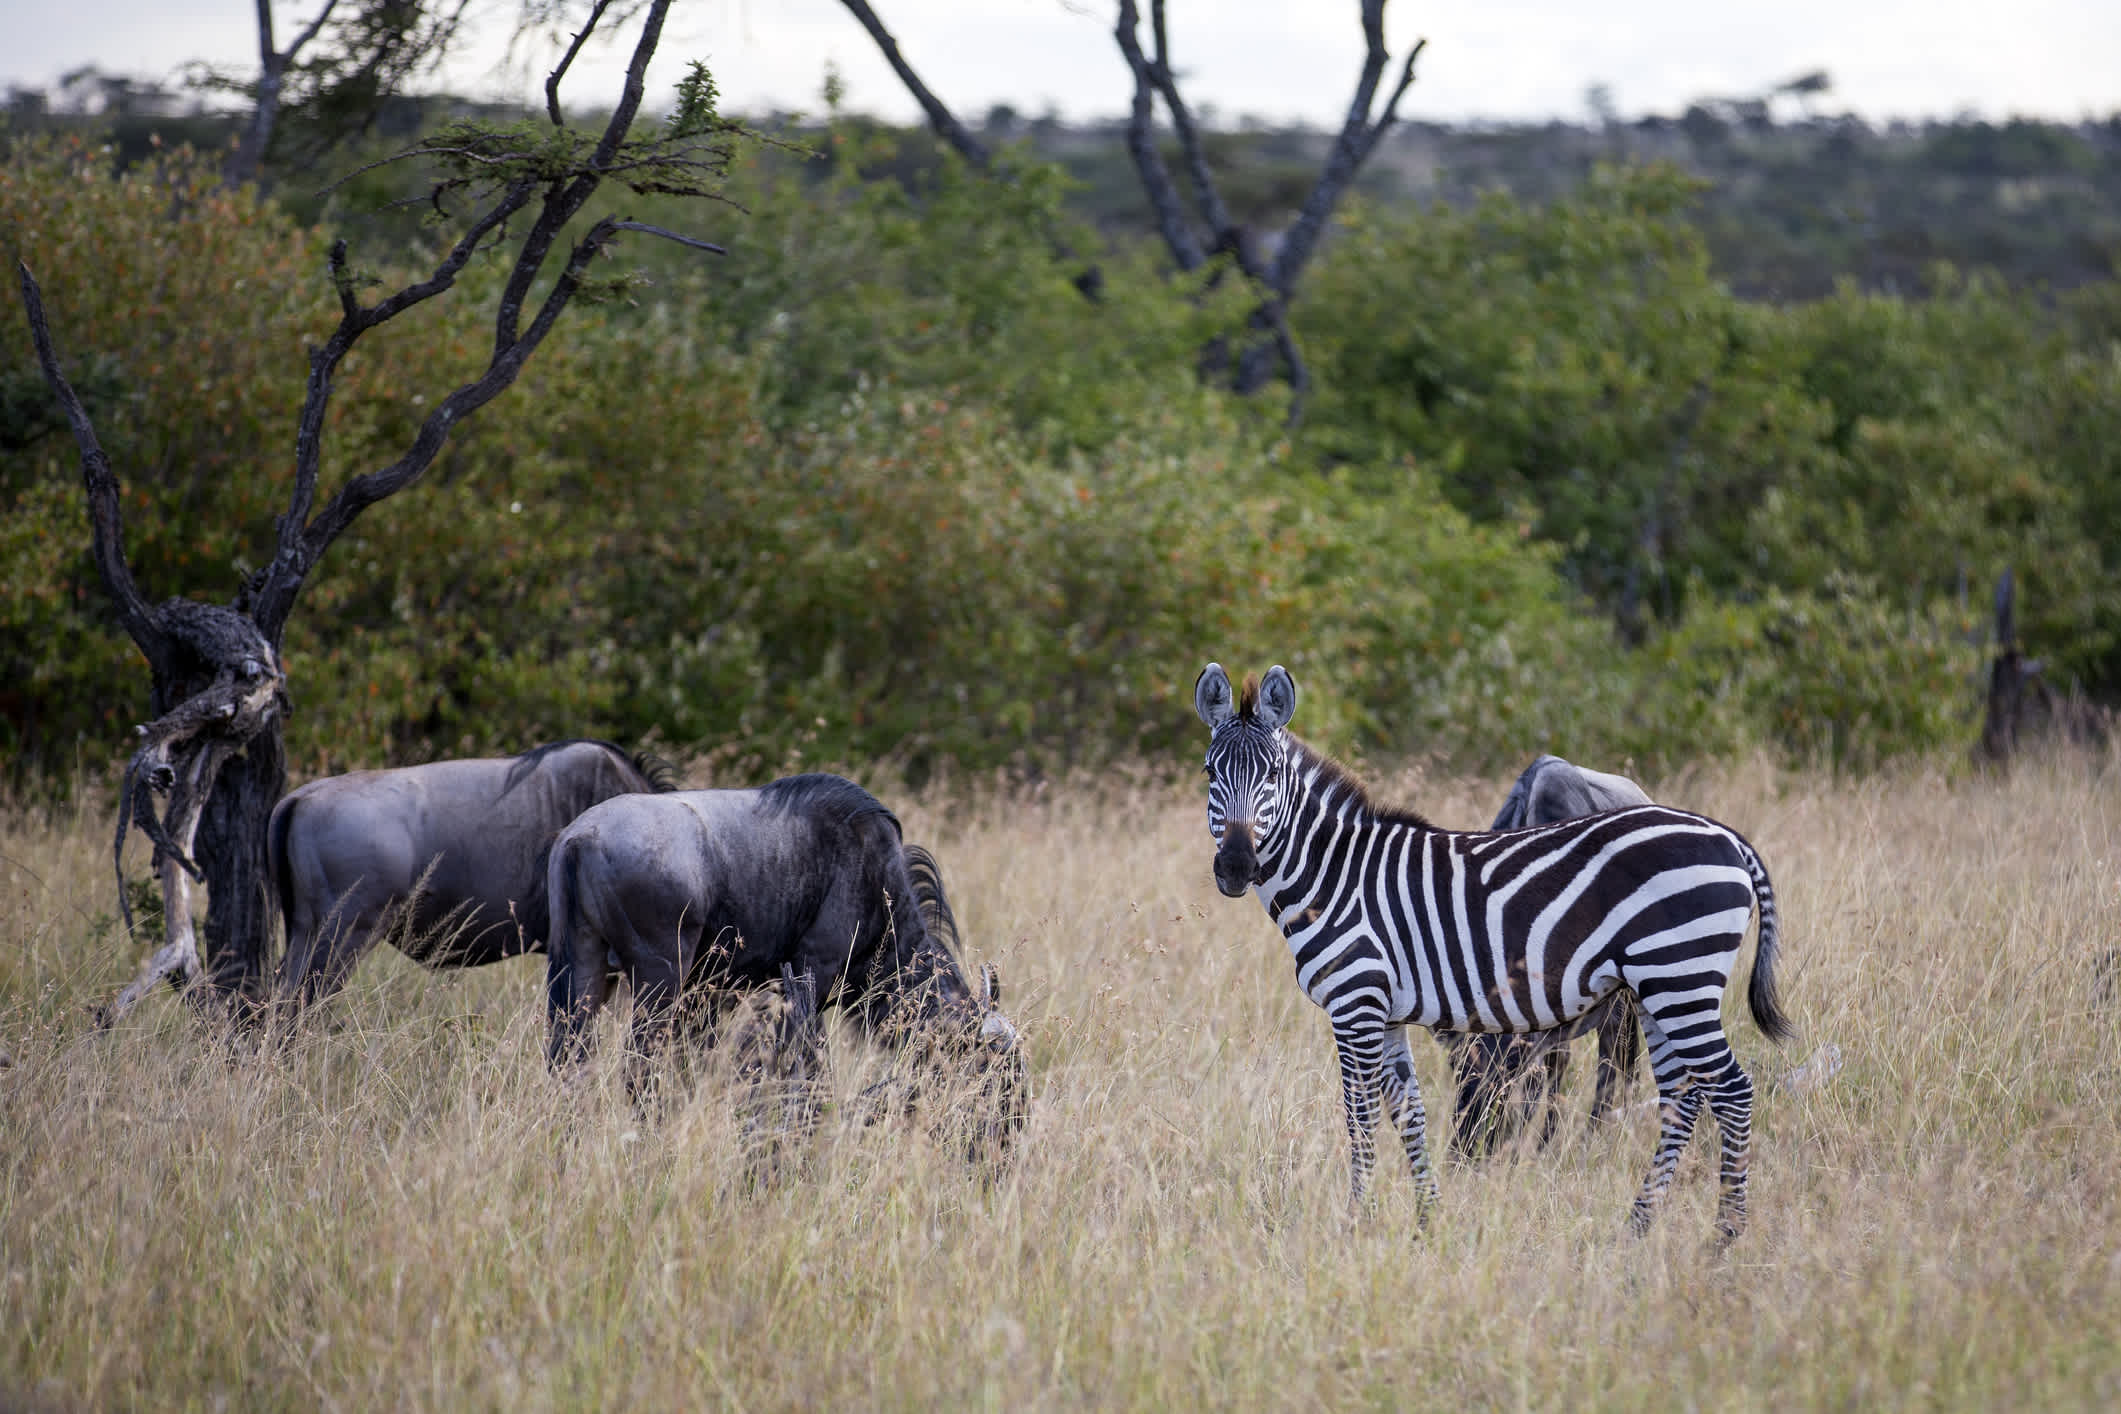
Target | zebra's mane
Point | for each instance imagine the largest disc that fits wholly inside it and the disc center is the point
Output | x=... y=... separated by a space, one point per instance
x=1334 y=776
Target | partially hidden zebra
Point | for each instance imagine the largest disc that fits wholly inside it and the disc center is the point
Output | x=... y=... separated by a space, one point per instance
x=1392 y=922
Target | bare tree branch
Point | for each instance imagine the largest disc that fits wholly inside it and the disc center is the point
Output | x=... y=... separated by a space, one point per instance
x=648 y=230
x=1141 y=146
x=298 y=551
x=561 y=204
x=940 y=117
x=273 y=63
x=1222 y=230
x=105 y=513
x=552 y=80
x=1358 y=138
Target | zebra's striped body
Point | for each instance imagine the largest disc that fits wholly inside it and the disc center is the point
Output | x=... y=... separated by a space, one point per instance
x=1392 y=922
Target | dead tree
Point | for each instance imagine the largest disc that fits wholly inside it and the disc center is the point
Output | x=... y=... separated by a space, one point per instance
x=2024 y=710
x=1269 y=349
x=217 y=695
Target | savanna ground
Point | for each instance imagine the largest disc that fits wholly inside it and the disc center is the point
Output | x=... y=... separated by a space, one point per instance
x=401 y=1209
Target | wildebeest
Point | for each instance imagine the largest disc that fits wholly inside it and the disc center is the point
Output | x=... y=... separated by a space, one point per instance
x=807 y=882
x=462 y=843
x=1501 y=1084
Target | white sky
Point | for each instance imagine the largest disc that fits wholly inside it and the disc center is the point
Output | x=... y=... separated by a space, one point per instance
x=1275 y=59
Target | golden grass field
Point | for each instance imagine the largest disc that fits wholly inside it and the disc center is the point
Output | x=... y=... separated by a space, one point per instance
x=401 y=1209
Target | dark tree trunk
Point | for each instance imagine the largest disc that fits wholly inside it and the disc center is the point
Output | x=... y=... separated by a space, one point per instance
x=236 y=945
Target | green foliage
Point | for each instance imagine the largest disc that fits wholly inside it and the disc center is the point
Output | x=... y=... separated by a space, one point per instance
x=882 y=482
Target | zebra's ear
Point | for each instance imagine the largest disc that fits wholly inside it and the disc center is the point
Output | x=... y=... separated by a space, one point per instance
x=1277 y=697
x=990 y=984
x=1211 y=696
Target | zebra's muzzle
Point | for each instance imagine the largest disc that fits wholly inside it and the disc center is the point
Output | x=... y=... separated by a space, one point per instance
x=1237 y=864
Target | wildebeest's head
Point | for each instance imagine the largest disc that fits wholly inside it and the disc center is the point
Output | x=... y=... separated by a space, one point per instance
x=955 y=1027
x=1246 y=768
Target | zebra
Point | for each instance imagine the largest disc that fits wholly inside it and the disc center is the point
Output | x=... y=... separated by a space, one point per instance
x=1391 y=922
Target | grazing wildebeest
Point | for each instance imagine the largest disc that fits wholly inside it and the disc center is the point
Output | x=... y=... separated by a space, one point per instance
x=805 y=882
x=1500 y=1081
x=1392 y=923
x=461 y=842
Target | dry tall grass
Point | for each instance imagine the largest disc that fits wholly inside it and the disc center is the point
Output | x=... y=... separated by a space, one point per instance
x=401 y=1209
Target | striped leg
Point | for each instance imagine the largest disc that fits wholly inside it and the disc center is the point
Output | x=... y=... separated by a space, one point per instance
x=1361 y=1048
x=1678 y=1107
x=1731 y=1101
x=1402 y=1094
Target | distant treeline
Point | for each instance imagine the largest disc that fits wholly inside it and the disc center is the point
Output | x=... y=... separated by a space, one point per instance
x=1791 y=202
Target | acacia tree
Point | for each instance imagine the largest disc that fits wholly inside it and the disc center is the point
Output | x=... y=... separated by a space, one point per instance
x=217 y=687
x=1270 y=349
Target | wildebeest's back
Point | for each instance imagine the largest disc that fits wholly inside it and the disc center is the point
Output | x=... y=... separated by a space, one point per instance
x=742 y=881
x=476 y=829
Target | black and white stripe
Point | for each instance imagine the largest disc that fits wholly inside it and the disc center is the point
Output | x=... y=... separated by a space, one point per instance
x=1392 y=922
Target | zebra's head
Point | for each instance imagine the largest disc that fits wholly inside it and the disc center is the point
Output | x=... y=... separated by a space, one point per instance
x=1247 y=768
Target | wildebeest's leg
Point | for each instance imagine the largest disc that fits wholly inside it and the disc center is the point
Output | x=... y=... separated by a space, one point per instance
x=656 y=973
x=1480 y=1070
x=1543 y=1092
x=321 y=952
x=1678 y=1107
x=1360 y=1045
x=1619 y=1047
x=1402 y=1095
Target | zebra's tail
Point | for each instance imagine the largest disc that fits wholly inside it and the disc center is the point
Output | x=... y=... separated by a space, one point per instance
x=1760 y=993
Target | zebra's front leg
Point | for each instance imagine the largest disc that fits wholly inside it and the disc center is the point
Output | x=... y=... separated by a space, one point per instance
x=1402 y=1094
x=1361 y=1048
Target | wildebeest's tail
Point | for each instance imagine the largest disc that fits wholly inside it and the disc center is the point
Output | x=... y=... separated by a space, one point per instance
x=1760 y=994
x=565 y=986
x=277 y=828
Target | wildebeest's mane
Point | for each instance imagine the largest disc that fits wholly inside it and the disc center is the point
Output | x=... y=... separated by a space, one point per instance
x=833 y=796
x=936 y=914
x=1333 y=776
x=660 y=776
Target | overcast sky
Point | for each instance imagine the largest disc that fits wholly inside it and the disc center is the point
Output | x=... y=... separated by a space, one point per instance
x=1274 y=59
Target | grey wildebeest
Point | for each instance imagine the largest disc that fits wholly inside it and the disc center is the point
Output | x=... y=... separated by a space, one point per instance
x=806 y=882
x=1501 y=1082
x=460 y=843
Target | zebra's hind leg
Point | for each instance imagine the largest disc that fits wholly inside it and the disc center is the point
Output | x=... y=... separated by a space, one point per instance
x=1678 y=1107
x=1730 y=1098
x=1402 y=1094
